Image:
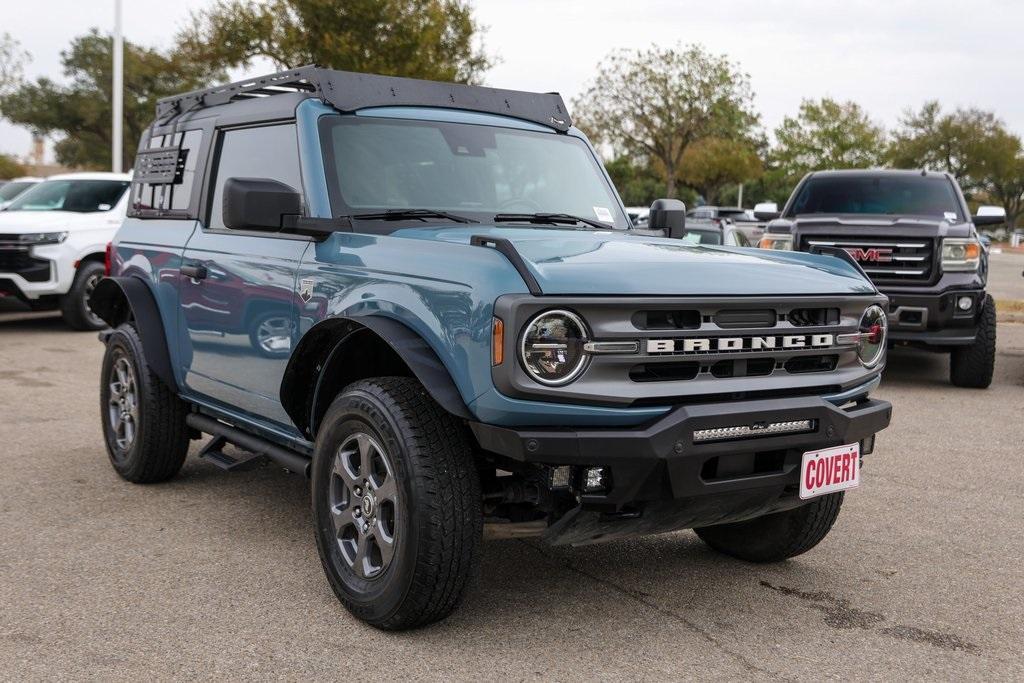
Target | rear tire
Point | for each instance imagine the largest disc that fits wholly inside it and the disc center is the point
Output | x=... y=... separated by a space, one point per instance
x=74 y=306
x=972 y=366
x=143 y=420
x=778 y=536
x=386 y=446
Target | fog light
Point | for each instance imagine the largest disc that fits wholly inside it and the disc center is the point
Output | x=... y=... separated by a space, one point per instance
x=753 y=430
x=964 y=303
x=595 y=479
x=560 y=477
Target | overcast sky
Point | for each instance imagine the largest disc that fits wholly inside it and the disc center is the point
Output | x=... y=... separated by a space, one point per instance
x=885 y=55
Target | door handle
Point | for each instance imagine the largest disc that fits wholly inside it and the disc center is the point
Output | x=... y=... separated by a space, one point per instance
x=196 y=272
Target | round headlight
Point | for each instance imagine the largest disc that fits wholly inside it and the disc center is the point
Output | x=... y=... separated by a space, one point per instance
x=551 y=347
x=873 y=326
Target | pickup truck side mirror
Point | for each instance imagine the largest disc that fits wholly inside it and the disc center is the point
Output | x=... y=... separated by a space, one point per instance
x=259 y=204
x=989 y=215
x=668 y=215
x=766 y=211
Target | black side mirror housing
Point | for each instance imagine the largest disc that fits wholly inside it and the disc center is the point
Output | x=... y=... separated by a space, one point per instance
x=668 y=215
x=767 y=215
x=259 y=204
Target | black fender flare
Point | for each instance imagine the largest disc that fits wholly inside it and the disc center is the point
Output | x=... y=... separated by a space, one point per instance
x=324 y=346
x=119 y=299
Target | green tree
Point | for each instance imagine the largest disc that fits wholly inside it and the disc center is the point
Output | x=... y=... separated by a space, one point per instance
x=9 y=167
x=79 y=113
x=963 y=142
x=826 y=134
x=711 y=164
x=433 y=39
x=1001 y=171
x=638 y=184
x=12 y=62
x=655 y=103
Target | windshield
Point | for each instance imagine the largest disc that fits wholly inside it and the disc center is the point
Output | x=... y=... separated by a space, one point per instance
x=12 y=190
x=913 y=195
x=82 y=196
x=477 y=171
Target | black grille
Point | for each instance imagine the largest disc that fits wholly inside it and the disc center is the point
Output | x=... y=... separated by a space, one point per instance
x=884 y=259
x=21 y=263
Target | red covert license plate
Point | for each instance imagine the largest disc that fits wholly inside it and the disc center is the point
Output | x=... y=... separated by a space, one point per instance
x=829 y=470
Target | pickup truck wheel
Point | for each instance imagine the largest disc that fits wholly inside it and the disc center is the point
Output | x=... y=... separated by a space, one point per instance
x=778 y=536
x=74 y=306
x=972 y=366
x=396 y=504
x=143 y=420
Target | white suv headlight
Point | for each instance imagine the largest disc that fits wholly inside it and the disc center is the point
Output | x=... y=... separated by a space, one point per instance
x=960 y=254
x=36 y=238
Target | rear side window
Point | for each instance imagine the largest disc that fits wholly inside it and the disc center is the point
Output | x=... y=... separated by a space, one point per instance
x=165 y=174
x=269 y=152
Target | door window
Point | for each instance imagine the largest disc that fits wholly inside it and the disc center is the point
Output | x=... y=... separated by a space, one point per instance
x=266 y=152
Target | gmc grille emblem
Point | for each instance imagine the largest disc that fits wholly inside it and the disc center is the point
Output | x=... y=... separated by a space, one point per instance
x=717 y=344
x=871 y=255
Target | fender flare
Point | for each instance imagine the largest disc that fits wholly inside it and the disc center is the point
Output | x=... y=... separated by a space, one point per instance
x=315 y=355
x=119 y=299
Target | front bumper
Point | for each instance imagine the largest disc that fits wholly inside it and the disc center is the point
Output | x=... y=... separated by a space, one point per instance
x=661 y=479
x=933 y=319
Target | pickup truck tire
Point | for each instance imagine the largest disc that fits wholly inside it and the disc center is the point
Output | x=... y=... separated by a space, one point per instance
x=778 y=536
x=143 y=420
x=74 y=306
x=972 y=366
x=412 y=562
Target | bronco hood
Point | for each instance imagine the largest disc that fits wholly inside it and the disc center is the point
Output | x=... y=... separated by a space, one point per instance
x=611 y=263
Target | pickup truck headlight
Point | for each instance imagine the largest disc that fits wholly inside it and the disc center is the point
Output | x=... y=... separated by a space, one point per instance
x=871 y=342
x=960 y=254
x=551 y=348
x=37 y=238
x=777 y=241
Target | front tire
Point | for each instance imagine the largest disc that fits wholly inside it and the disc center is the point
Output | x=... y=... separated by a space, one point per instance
x=776 y=537
x=972 y=366
x=74 y=306
x=396 y=504
x=143 y=420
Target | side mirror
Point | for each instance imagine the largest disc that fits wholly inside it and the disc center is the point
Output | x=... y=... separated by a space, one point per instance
x=668 y=215
x=989 y=215
x=259 y=204
x=766 y=211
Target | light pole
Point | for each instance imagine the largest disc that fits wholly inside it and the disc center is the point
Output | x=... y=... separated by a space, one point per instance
x=117 y=96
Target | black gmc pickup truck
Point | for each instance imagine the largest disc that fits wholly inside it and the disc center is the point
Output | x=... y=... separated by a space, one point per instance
x=913 y=235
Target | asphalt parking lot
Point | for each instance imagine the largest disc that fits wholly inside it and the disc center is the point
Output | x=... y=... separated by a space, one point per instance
x=216 y=575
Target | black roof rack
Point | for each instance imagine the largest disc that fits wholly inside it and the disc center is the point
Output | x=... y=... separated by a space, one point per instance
x=349 y=91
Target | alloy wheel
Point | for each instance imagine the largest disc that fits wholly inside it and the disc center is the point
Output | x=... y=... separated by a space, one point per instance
x=123 y=402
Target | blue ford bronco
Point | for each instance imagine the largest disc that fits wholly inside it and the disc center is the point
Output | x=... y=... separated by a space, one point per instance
x=428 y=299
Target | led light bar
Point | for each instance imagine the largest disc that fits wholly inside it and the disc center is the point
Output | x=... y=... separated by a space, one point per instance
x=754 y=430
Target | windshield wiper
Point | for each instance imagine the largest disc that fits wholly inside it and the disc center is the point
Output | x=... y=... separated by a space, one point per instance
x=411 y=214
x=551 y=219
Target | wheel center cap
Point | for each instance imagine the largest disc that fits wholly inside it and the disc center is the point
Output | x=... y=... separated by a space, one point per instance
x=367 y=505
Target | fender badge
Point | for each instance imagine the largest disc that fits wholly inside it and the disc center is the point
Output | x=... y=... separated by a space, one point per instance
x=306 y=290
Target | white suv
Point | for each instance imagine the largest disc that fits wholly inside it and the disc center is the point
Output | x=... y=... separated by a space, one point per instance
x=53 y=240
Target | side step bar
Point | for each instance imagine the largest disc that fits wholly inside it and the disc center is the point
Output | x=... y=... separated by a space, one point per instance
x=287 y=459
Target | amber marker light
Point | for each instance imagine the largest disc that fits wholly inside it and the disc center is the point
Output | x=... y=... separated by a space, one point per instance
x=497 y=342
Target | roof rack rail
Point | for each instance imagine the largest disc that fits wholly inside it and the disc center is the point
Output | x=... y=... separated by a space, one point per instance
x=349 y=91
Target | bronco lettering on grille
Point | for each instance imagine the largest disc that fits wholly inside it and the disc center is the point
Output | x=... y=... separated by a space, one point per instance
x=726 y=344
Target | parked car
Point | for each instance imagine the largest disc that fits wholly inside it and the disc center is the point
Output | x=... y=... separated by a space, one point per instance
x=751 y=227
x=719 y=233
x=912 y=233
x=12 y=188
x=53 y=239
x=638 y=215
x=478 y=339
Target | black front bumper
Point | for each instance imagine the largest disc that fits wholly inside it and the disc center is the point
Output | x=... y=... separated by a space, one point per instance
x=661 y=479
x=932 y=318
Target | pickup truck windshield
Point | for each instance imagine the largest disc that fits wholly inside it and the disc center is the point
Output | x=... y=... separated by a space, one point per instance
x=82 y=196
x=476 y=171
x=911 y=195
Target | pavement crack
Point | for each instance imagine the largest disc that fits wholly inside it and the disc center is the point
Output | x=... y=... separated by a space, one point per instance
x=642 y=598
